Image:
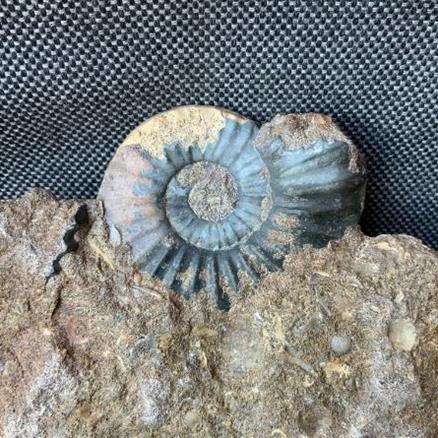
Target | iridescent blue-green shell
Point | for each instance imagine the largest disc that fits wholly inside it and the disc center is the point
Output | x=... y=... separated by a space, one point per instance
x=208 y=218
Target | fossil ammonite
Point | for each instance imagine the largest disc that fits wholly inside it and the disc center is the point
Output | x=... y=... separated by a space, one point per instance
x=206 y=199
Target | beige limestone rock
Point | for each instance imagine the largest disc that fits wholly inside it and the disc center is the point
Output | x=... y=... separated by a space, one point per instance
x=89 y=347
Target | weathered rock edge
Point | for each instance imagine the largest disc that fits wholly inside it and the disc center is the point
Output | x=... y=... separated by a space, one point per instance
x=90 y=347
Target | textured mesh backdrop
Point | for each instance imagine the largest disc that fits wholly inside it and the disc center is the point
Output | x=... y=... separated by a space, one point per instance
x=77 y=76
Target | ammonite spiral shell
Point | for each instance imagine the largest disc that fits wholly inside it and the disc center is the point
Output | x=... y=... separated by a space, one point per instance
x=206 y=199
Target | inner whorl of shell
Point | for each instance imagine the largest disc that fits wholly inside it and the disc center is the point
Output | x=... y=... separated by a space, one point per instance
x=212 y=190
x=209 y=206
x=209 y=217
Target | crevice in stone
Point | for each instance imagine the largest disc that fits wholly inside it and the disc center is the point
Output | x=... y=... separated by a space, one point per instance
x=81 y=219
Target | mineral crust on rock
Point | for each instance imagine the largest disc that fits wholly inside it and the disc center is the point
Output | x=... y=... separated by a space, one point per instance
x=89 y=347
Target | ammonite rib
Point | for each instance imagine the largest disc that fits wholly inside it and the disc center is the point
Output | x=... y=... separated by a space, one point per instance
x=206 y=199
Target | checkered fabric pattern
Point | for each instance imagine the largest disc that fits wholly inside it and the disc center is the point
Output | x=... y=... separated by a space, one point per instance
x=77 y=76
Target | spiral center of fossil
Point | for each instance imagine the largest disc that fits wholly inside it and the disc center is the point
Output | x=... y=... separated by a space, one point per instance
x=216 y=206
x=213 y=192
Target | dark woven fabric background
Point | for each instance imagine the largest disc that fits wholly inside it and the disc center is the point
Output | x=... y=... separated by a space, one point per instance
x=77 y=76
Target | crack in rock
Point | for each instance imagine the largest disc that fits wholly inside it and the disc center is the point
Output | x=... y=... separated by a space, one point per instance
x=81 y=219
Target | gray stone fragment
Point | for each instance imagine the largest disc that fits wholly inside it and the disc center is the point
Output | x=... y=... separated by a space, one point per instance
x=340 y=344
x=402 y=334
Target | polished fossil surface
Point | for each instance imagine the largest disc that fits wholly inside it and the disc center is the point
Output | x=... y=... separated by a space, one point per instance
x=207 y=200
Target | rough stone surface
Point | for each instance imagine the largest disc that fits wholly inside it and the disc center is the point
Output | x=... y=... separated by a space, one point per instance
x=90 y=347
